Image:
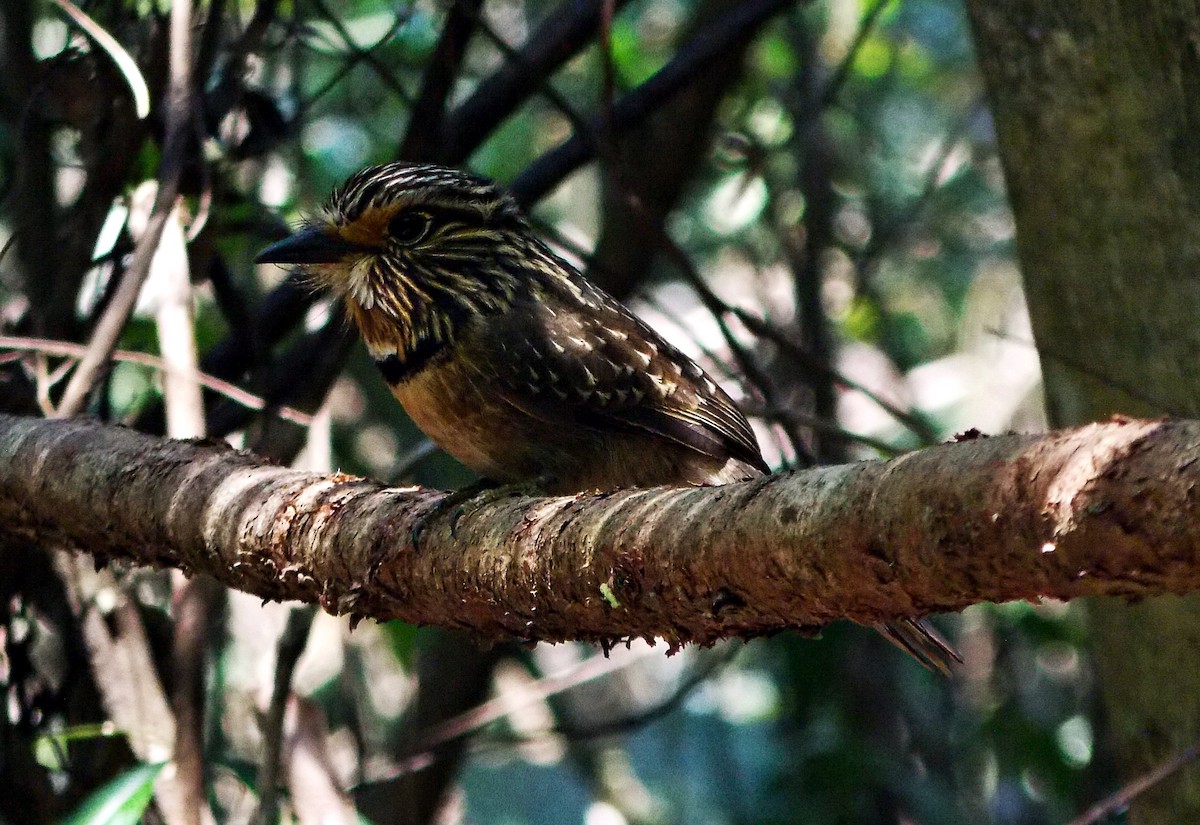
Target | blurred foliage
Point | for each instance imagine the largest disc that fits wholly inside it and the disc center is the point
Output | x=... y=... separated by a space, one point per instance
x=852 y=199
x=120 y=802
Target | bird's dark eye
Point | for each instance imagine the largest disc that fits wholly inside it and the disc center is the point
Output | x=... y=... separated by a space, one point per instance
x=408 y=228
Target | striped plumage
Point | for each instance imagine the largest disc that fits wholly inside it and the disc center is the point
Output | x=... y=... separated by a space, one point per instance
x=502 y=352
x=505 y=356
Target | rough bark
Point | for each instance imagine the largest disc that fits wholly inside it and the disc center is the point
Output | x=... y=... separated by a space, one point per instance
x=1104 y=509
x=1097 y=111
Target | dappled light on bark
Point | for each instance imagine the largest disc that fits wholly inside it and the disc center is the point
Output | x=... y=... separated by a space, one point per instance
x=1103 y=509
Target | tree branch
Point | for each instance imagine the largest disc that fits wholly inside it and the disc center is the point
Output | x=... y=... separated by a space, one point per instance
x=561 y=36
x=1103 y=509
x=424 y=136
x=730 y=31
x=178 y=117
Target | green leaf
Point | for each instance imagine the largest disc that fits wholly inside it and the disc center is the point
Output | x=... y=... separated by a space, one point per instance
x=49 y=749
x=122 y=801
x=402 y=639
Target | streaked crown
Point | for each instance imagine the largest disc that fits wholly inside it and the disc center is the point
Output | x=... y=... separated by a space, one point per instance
x=395 y=187
x=418 y=250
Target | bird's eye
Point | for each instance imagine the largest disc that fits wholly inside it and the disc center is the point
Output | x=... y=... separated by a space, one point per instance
x=408 y=228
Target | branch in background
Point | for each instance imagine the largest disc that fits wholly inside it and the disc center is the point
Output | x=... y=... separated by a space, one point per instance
x=1103 y=509
x=33 y=211
x=726 y=32
x=912 y=420
x=545 y=88
x=316 y=794
x=195 y=600
x=453 y=676
x=275 y=317
x=813 y=366
x=866 y=28
x=229 y=86
x=132 y=694
x=824 y=426
x=423 y=141
x=426 y=746
x=366 y=54
x=699 y=673
x=319 y=357
x=233 y=393
x=120 y=656
x=755 y=376
x=560 y=37
x=196 y=606
x=126 y=66
x=169 y=286
x=179 y=108
x=1122 y=799
x=890 y=232
x=291 y=645
x=654 y=162
x=804 y=247
x=357 y=55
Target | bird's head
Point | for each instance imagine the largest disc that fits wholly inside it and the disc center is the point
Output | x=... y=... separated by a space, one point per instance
x=416 y=250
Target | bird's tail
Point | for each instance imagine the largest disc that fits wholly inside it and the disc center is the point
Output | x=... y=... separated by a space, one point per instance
x=922 y=642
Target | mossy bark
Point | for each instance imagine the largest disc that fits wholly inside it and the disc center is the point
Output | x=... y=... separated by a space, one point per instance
x=1097 y=112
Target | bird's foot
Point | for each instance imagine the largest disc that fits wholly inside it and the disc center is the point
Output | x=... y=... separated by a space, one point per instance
x=481 y=492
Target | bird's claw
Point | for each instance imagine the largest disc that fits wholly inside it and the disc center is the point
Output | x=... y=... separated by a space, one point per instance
x=485 y=490
x=454 y=502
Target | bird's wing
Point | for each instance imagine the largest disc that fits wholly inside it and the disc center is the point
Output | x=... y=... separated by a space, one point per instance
x=607 y=369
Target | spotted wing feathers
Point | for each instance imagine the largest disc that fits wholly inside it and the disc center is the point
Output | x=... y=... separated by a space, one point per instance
x=586 y=356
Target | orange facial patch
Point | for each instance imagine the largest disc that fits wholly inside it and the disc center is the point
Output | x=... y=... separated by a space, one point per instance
x=369 y=228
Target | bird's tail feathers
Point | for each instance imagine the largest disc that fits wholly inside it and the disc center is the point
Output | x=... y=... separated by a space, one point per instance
x=919 y=640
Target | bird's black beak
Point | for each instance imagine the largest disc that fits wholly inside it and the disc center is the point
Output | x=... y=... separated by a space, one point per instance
x=309 y=246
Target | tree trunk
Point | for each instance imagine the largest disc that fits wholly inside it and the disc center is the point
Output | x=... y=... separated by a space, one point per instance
x=1097 y=111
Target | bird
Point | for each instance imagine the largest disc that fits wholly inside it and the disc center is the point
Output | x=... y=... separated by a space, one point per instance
x=507 y=358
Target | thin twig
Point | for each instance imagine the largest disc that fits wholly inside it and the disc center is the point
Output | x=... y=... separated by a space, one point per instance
x=291 y=646
x=233 y=392
x=834 y=86
x=719 y=309
x=544 y=87
x=1123 y=798
x=825 y=426
x=700 y=674
x=765 y=330
x=1044 y=353
x=195 y=604
x=357 y=56
x=411 y=459
x=171 y=286
x=178 y=127
x=564 y=33
x=914 y=422
x=725 y=32
x=890 y=232
x=456 y=727
x=126 y=66
x=366 y=55
x=423 y=139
